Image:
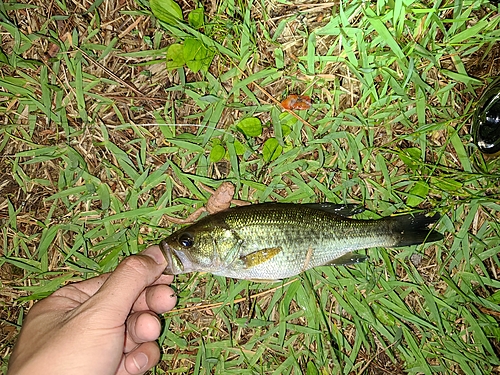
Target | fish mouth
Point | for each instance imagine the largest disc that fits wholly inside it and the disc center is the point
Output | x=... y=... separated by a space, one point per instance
x=174 y=264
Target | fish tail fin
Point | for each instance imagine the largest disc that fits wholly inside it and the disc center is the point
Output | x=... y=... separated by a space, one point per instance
x=414 y=229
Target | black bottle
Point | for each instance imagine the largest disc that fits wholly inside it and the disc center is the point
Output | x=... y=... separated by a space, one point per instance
x=486 y=122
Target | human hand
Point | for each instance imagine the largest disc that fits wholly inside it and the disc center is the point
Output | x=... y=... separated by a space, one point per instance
x=105 y=325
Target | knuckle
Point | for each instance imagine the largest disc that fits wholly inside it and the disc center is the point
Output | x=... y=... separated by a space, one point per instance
x=136 y=264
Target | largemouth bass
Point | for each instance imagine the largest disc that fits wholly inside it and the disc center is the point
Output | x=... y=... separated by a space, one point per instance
x=272 y=241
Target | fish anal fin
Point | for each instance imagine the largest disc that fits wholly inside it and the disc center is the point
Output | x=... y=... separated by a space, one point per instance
x=260 y=256
x=346 y=259
x=346 y=209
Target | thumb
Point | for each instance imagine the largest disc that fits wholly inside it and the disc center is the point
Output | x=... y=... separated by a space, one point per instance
x=126 y=283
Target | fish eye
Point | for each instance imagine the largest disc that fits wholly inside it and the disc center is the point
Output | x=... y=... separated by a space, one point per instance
x=186 y=240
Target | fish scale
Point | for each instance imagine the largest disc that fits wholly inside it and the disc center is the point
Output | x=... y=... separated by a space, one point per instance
x=273 y=241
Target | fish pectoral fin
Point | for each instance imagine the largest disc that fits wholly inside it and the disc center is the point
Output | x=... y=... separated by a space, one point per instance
x=346 y=259
x=345 y=210
x=260 y=256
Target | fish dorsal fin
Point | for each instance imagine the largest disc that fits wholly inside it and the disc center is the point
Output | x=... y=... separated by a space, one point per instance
x=260 y=256
x=346 y=209
x=346 y=259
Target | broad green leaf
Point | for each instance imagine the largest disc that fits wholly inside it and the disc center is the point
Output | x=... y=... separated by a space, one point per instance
x=166 y=10
x=197 y=56
x=446 y=184
x=383 y=316
x=286 y=130
x=196 y=18
x=410 y=156
x=239 y=147
x=418 y=193
x=217 y=153
x=271 y=150
x=250 y=126
x=175 y=56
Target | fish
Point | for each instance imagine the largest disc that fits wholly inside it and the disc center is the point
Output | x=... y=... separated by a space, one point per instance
x=274 y=241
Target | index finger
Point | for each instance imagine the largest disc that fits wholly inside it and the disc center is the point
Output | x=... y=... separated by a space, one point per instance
x=91 y=286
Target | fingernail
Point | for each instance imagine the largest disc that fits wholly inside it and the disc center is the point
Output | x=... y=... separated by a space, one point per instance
x=155 y=253
x=140 y=360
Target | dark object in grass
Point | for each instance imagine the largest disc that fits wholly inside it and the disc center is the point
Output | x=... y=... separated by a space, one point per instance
x=486 y=122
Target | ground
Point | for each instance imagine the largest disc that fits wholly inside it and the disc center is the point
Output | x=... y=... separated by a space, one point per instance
x=100 y=138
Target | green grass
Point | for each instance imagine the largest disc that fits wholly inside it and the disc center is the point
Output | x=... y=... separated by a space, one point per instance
x=99 y=140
